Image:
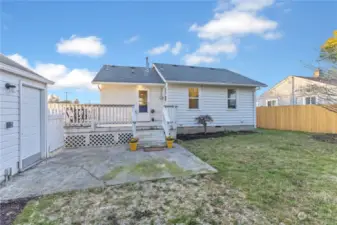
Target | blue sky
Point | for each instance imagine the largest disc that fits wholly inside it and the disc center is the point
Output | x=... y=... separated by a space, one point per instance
x=68 y=42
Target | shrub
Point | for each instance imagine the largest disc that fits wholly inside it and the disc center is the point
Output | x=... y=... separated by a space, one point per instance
x=203 y=120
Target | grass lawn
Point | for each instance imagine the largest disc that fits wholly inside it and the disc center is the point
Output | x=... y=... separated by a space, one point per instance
x=271 y=177
x=288 y=175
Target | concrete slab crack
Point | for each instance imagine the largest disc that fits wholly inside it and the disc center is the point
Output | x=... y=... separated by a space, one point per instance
x=83 y=168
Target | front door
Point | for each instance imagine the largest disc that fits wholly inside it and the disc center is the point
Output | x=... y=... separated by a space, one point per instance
x=143 y=105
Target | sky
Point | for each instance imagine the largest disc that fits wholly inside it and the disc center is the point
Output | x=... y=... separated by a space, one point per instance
x=69 y=41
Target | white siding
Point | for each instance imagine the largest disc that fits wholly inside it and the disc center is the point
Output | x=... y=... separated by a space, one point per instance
x=128 y=94
x=213 y=101
x=282 y=92
x=9 y=112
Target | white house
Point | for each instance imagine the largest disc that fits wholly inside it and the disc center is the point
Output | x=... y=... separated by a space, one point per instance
x=300 y=90
x=23 y=117
x=225 y=95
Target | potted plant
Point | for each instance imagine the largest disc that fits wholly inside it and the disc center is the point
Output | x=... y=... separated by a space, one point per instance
x=153 y=111
x=169 y=141
x=133 y=143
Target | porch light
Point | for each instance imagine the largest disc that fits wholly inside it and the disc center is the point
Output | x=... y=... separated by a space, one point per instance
x=9 y=86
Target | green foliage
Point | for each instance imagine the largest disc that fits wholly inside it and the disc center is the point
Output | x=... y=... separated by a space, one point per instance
x=134 y=140
x=204 y=120
x=329 y=48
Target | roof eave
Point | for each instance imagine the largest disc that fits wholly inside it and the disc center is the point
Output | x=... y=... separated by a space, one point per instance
x=127 y=83
x=26 y=74
x=215 y=83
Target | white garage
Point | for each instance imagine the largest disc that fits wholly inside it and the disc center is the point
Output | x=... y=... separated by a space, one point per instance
x=23 y=117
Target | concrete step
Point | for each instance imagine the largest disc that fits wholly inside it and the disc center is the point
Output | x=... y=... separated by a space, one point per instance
x=152 y=144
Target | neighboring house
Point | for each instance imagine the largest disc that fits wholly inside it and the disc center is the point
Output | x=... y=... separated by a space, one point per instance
x=300 y=90
x=23 y=117
x=225 y=95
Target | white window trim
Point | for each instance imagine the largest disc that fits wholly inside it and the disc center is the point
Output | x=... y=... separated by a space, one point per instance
x=188 y=99
x=148 y=97
x=272 y=99
x=304 y=103
x=237 y=98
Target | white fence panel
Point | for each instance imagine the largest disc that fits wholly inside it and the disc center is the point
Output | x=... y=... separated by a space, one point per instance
x=55 y=132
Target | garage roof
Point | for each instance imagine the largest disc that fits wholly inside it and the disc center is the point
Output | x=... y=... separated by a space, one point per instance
x=22 y=71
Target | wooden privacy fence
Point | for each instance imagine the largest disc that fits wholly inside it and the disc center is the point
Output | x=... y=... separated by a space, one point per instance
x=307 y=118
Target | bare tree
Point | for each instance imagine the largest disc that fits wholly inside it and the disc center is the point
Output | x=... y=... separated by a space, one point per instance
x=53 y=98
x=325 y=75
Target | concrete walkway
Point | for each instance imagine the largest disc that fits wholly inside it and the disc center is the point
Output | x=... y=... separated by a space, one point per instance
x=97 y=167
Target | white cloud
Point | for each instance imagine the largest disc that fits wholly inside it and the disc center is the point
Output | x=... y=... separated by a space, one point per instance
x=233 y=23
x=89 y=46
x=272 y=35
x=215 y=48
x=51 y=71
x=131 y=39
x=77 y=78
x=177 y=48
x=19 y=59
x=159 y=49
x=233 y=20
x=61 y=75
x=195 y=59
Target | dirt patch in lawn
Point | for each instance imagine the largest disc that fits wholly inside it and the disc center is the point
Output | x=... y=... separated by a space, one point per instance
x=190 y=200
x=186 y=137
x=330 y=138
x=9 y=210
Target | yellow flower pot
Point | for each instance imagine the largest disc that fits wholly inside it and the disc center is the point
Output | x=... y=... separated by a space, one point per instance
x=133 y=146
x=169 y=143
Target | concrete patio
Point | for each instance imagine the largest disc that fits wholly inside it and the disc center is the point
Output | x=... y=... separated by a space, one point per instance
x=84 y=168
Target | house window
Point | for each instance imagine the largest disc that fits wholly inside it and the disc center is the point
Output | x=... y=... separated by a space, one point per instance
x=310 y=101
x=271 y=103
x=193 y=98
x=231 y=96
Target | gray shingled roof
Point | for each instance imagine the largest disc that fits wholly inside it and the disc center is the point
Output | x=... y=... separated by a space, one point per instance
x=126 y=74
x=5 y=60
x=324 y=80
x=178 y=73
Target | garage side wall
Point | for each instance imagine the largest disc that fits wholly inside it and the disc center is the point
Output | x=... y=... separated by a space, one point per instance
x=10 y=112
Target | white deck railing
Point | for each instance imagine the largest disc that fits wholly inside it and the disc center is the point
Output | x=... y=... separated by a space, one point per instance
x=89 y=114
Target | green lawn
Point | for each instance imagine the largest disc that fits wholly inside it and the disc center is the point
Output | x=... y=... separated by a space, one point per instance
x=288 y=175
x=271 y=177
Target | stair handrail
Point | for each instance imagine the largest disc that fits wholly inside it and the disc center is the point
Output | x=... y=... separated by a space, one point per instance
x=166 y=122
x=134 y=121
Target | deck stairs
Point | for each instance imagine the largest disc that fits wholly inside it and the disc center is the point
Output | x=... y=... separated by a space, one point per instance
x=151 y=136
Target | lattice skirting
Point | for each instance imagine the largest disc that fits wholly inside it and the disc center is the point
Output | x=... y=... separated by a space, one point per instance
x=96 y=139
